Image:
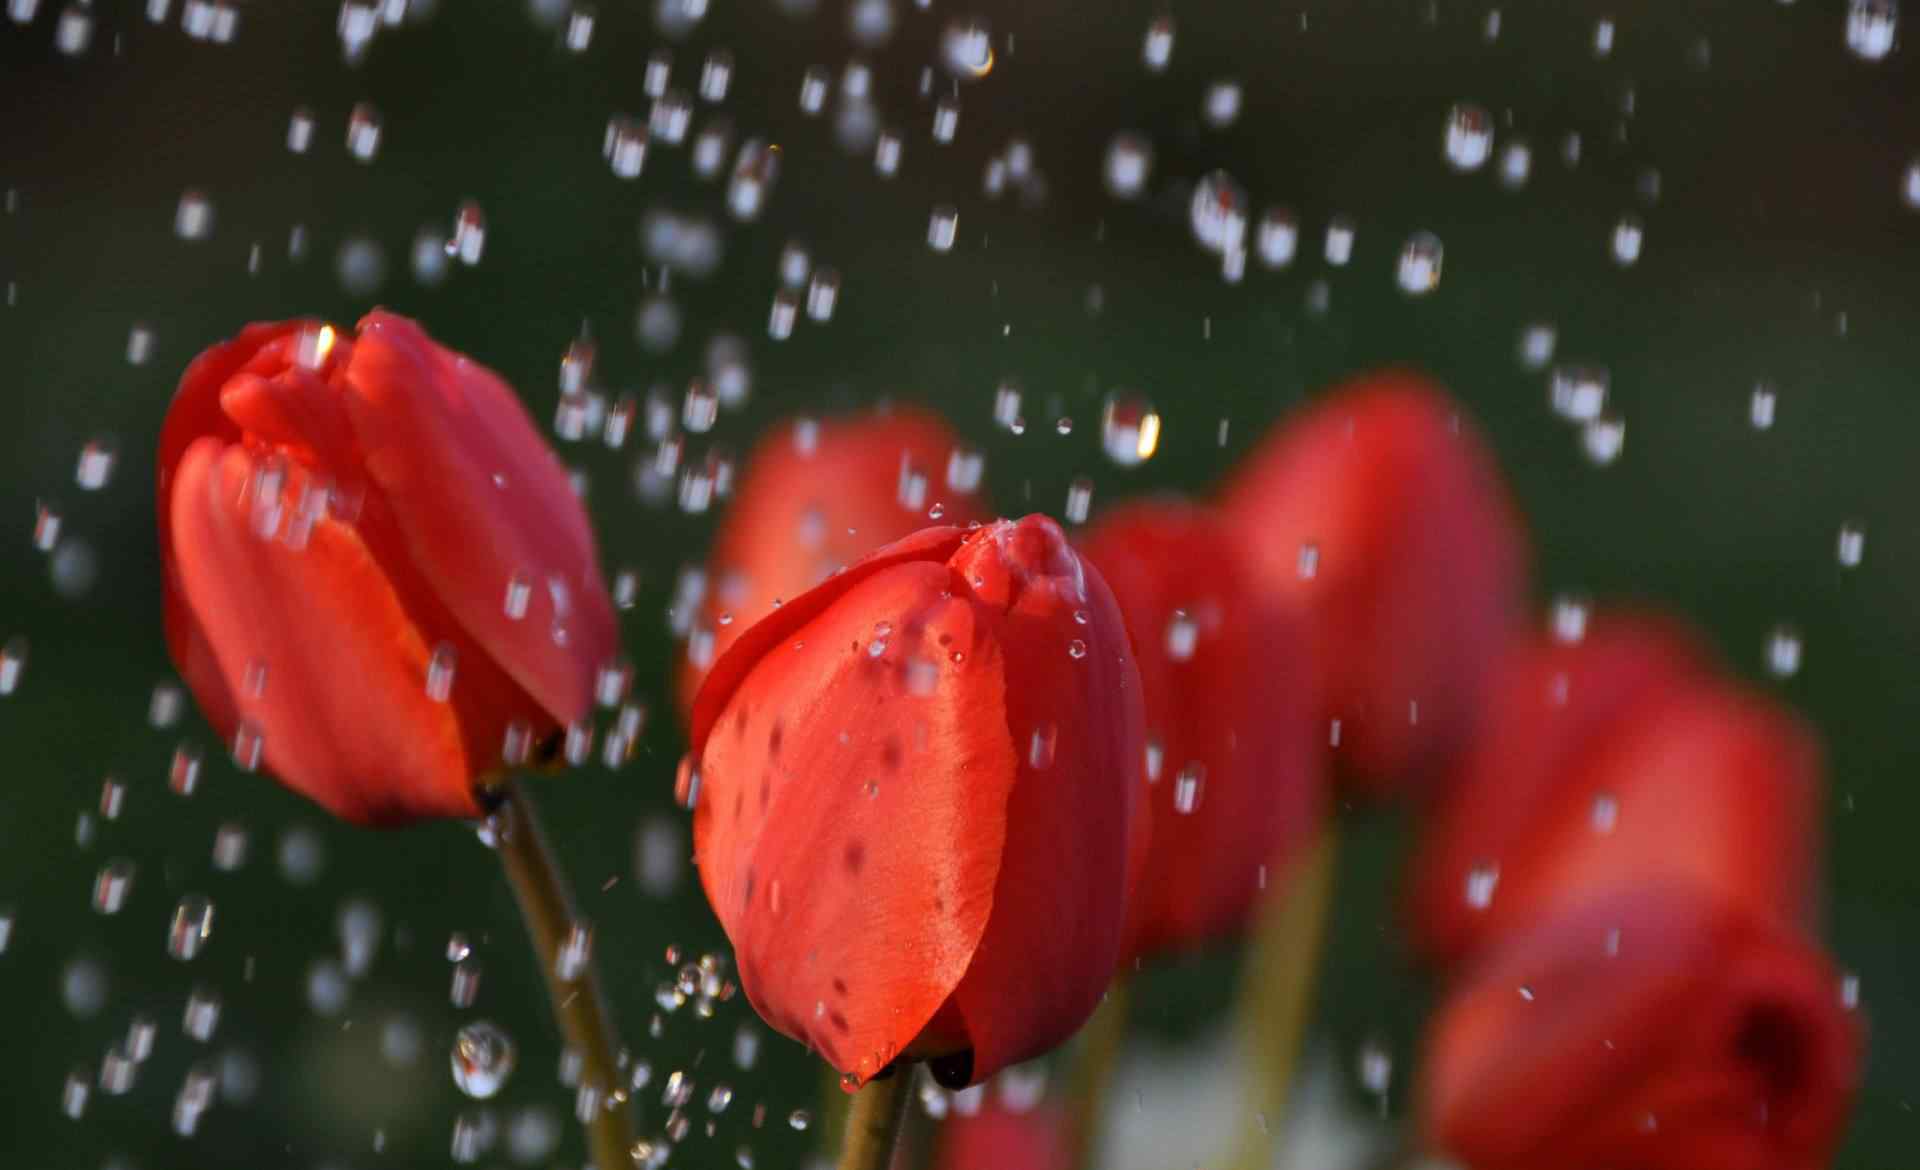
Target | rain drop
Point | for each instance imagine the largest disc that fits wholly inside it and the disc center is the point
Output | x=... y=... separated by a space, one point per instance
x=1469 y=137
x=191 y=927
x=482 y=1059
x=1419 y=269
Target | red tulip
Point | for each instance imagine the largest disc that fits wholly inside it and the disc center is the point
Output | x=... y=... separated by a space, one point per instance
x=815 y=497
x=999 y=1139
x=1611 y=762
x=916 y=789
x=1379 y=515
x=376 y=575
x=1234 y=744
x=1658 y=1028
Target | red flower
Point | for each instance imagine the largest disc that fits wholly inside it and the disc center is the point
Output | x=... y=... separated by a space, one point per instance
x=1235 y=749
x=1610 y=762
x=997 y=1138
x=1379 y=515
x=1657 y=1027
x=916 y=794
x=376 y=575
x=816 y=497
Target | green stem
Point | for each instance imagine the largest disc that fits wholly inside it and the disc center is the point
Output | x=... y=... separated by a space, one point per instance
x=873 y=1122
x=547 y=908
x=1276 y=991
x=1101 y=1042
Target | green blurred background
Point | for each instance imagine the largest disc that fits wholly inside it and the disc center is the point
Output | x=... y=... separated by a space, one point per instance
x=1779 y=249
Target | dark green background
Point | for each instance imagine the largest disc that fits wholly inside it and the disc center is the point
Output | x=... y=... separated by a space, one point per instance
x=1779 y=249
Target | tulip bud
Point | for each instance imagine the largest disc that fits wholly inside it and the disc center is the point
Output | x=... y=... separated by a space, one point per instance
x=344 y=524
x=1619 y=759
x=1378 y=515
x=1655 y=1027
x=915 y=812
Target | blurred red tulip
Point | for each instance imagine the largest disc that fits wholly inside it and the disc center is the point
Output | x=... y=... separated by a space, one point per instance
x=376 y=574
x=1658 y=1028
x=1379 y=515
x=815 y=497
x=916 y=791
x=998 y=1139
x=1235 y=752
x=1609 y=762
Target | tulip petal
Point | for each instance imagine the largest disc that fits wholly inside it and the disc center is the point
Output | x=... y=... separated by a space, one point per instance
x=1657 y=1027
x=1076 y=838
x=853 y=805
x=929 y=544
x=378 y=751
x=815 y=497
x=195 y=413
x=483 y=504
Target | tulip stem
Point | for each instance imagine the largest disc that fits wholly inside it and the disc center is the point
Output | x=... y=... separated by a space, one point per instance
x=1276 y=991
x=578 y=1007
x=873 y=1121
x=1101 y=1041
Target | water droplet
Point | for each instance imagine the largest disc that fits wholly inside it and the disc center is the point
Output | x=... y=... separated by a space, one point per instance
x=1469 y=137
x=1042 y=745
x=1871 y=25
x=1277 y=238
x=1157 y=50
x=1516 y=163
x=183 y=773
x=1482 y=880
x=1218 y=212
x=112 y=885
x=1129 y=428
x=95 y=466
x=942 y=226
x=1603 y=37
x=1079 y=500
x=1852 y=545
x=1569 y=621
x=73 y=1096
x=469 y=233
x=1603 y=439
x=1188 y=787
x=1606 y=813
x=193 y=219
x=823 y=291
x=1129 y=162
x=1783 y=652
x=799 y=1119
x=1760 y=407
x=202 y=1014
x=440 y=668
x=1577 y=393
x=1628 y=234
x=482 y=1059
x=966 y=49
x=1419 y=268
x=13 y=663
x=1183 y=635
x=191 y=928
x=1376 y=1067
x=1339 y=245
x=1222 y=105
x=363 y=132
x=625 y=146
